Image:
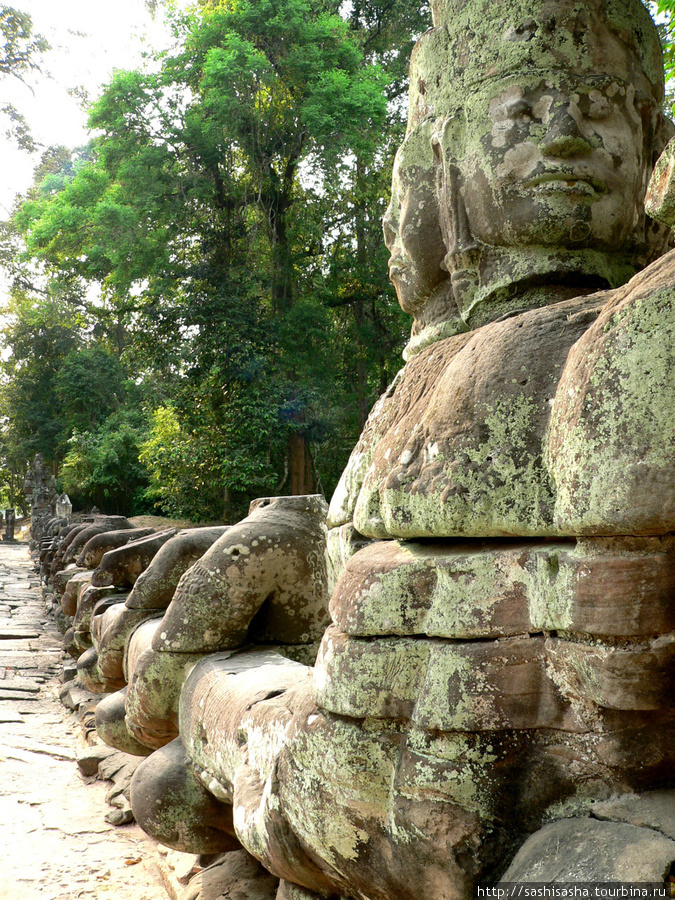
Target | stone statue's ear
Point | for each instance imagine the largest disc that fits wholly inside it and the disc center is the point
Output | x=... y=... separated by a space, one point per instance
x=660 y=198
x=654 y=235
x=448 y=145
x=462 y=256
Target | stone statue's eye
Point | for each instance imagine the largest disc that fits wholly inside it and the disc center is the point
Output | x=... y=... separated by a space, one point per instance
x=519 y=111
x=599 y=109
x=596 y=106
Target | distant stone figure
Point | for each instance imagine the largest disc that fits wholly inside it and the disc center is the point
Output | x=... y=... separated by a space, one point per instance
x=40 y=490
x=501 y=649
x=64 y=508
x=10 y=518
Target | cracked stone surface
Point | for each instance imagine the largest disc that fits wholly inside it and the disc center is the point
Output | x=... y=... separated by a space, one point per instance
x=56 y=844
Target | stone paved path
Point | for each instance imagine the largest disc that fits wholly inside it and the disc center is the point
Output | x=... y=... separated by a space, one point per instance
x=54 y=841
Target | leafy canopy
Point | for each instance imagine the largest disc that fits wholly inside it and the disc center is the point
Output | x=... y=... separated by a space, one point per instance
x=20 y=52
x=226 y=219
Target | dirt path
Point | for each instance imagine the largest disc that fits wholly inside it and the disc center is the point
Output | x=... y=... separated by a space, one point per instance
x=54 y=841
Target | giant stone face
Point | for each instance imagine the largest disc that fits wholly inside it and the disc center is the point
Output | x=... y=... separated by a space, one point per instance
x=560 y=163
x=545 y=124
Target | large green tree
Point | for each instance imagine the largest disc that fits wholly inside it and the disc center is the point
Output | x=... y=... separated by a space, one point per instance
x=664 y=13
x=229 y=215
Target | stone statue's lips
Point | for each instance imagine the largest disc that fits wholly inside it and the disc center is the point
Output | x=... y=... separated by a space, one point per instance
x=568 y=182
x=398 y=265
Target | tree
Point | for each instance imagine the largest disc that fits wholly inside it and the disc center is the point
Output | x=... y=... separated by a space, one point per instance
x=102 y=467
x=289 y=86
x=89 y=387
x=41 y=332
x=229 y=216
x=58 y=381
x=360 y=293
x=665 y=15
x=197 y=202
x=19 y=53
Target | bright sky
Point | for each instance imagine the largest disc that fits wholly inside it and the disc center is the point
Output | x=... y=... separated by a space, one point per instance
x=89 y=38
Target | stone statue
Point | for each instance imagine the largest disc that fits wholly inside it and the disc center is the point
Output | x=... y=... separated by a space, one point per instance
x=500 y=544
x=64 y=508
x=40 y=489
x=10 y=519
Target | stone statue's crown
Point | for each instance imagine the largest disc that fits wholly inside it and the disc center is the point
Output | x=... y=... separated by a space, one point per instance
x=476 y=41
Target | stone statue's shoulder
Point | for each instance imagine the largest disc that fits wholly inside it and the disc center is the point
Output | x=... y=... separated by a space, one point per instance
x=462 y=428
x=409 y=387
x=611 y=443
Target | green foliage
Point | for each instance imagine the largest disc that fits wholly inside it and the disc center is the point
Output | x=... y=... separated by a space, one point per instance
x=69 y=402
x=20 y=52
x=89 y=387
x=665 y=10
x=21 y=48
x=102 y=467
x=41 y=333
x=226 y=222
x=208 y=473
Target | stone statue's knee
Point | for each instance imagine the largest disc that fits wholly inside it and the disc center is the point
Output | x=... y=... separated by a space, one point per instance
x=171 y=804
x=153 y=694
x=88 y=671
x=112 y=727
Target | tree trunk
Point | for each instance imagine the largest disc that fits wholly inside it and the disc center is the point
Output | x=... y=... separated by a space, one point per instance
x=227 y=506
x=282 y=258
x=359 y=305
x=302 y=477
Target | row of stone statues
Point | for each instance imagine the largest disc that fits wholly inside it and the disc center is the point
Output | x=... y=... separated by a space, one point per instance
x=491 y=591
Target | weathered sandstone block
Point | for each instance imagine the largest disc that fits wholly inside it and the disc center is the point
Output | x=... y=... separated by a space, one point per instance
x=75 y=584
x=236 y=875
x=152 y=591
x=628 y=676
x=202 y=821
x=618 y=587
x=63 y=576
x=154 y=685
x=88 y=597
x=264 y=580
x=459 y=450
x=275 y=557
x=78 y=538
x=93 y=550
x=111 y=725
x=122 y=566
x=442 y=686
x=588 y=851
x=156 y=585
x=612 y=435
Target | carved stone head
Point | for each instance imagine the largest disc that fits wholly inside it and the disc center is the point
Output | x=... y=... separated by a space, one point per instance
x=545 y=122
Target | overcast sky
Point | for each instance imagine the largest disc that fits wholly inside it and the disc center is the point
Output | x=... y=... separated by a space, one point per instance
x=89 y=38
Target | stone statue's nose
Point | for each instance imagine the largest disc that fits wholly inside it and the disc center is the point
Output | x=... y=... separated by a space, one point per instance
x=390 y=227
x=564 y=138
